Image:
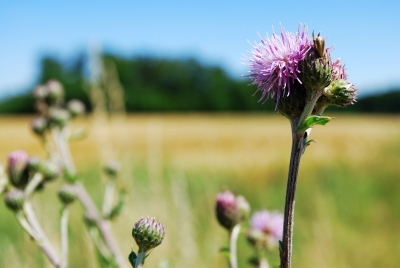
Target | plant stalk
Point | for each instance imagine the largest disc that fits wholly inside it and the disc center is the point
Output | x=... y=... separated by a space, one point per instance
x=233 y=236
x=64 y=236
x=140 y=259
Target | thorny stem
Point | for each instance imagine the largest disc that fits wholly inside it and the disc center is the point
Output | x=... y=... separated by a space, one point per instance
x=64 y=236
x=298 y=147
x=233 y=236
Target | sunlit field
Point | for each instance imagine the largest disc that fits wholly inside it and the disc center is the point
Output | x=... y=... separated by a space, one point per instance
x=347 y=204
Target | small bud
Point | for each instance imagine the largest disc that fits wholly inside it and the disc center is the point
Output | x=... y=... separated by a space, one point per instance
x=230 y=210
x=58 y=117
x=76 y=108
x=316 y=73
x=40 y=93
x=34 y=164
x=340 y=93
x=148 y=233
x=243 y=206
x=112 y=168
x=17 y=168
x=67 y=194
x=50 y=170
x=39 y=125
x=55 y=92
x=15 y=199
x=319 y=44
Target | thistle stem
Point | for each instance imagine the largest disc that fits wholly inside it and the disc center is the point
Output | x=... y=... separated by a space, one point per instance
x=140 y=259
x=263 y=263
x=64 y=236
x=298 y=147
x=233 y=236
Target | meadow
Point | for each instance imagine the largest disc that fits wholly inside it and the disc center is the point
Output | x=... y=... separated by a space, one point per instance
x=173 y=165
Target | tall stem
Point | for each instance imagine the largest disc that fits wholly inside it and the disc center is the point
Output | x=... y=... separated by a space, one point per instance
x=233 y=236
x=286 y=251
x=298 y=147
x=64 y=236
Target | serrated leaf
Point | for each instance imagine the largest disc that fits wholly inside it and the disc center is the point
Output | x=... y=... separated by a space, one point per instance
x=312 y=121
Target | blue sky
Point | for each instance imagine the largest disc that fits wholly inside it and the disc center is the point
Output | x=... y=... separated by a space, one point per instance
x=365 y=33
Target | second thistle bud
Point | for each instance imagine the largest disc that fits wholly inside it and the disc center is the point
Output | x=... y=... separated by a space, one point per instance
x=15 y=199
x=76 y=108
x=230 y=209
x=39 y=125
x=148 y=233
x=340 y=93
x=67 y=194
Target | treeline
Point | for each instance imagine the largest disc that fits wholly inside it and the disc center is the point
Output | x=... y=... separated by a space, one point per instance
x=167 y=85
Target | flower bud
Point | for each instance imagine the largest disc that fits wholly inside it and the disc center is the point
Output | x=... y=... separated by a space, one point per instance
x=15 y=199
x=17 y=168
x=58 y=117
x=316 y=73
x=319 y=44
x=243 y=206
x=340 y=93
x=55 y=92
x=230 y=211
x=50 y=170
x=40 y=93
x=34 y=164
x=292 y=106
x=148 y=233
x=39 y=125
x=67 y=194
x=76 y=108
x=112 y=168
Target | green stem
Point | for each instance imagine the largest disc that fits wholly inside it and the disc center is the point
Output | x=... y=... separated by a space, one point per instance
x=233 y=236
x=298 y=138
x=34 y=182
x=108 y=197
x=64 y=236
x=263 y=263
x=140 y=259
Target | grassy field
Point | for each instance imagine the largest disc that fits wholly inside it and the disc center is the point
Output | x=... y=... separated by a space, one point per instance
x=347 y=205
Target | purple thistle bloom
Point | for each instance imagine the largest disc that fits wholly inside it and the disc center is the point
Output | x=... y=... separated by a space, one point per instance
x=338 y=70
x=275 y=62
x=230 y=210
x=270 y=224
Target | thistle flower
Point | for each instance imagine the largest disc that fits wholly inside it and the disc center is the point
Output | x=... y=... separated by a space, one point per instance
x=148 y=233
x=275 y=62
x=59 y=117
x=231 y=210
x=266 y=228
x=55 y=92
x=340 y=93
x=17 y=168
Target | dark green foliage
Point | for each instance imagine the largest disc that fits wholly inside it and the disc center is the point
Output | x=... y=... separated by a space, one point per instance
x=172 y=85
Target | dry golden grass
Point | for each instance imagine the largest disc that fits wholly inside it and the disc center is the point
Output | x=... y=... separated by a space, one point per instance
x=186 y=159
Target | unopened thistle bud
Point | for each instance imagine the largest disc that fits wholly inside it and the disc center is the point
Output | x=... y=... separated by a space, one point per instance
x=243 y=206
x=340 y=93
x=148 y=233
x=34 y=164
x=316 y=72
x=17 y=168
x=39 y=125
x=15 y=199
x=67 y=194
x=58 y=117
x=112 y=168
x=76 y=108
x=50 y=170
x=230 y=211
x=40 y=93
x=319 y=44
x=55 y=92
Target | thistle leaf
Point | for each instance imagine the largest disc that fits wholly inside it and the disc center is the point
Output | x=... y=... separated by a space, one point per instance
x=312 y=121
